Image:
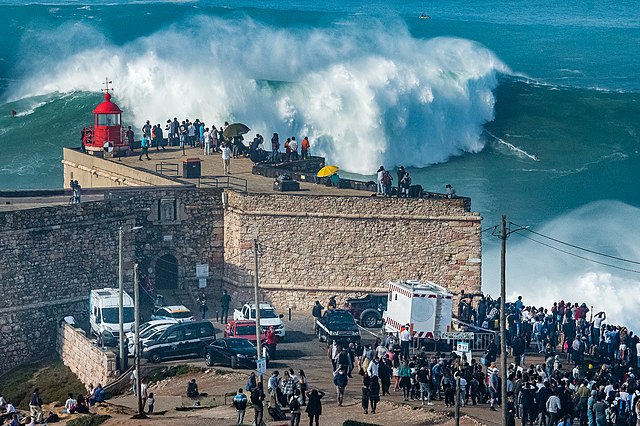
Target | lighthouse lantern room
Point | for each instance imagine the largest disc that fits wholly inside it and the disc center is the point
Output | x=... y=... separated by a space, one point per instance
x=106 y=135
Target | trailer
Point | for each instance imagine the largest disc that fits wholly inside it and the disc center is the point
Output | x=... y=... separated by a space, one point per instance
x=425 y=306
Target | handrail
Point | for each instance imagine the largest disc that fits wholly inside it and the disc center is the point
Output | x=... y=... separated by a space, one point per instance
x=170 y=167
x=231 y=182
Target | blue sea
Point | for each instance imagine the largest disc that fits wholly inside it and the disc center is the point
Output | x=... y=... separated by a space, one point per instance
x=531 y=108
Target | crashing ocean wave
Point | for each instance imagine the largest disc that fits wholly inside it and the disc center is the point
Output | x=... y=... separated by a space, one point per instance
x=363 y=97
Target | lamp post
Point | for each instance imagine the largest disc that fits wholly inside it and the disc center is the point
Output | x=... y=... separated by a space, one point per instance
x=136 y=341
x=121 y=297
x=257 y=303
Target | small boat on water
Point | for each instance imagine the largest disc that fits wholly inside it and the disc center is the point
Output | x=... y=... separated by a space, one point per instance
x=423 y=16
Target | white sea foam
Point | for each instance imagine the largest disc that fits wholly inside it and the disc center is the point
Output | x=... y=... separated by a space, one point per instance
x=365 y=95
x=543 y=275
x=519 y=151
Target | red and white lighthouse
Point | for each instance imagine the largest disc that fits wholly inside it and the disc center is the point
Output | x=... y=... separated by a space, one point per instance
x=106 y=135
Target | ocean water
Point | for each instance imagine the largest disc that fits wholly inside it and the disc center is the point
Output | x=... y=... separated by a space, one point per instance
x=532 y=109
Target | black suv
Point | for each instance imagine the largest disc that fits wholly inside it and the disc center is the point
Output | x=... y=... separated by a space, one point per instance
x=187 y=338
x=337 y=325
x=368 y=310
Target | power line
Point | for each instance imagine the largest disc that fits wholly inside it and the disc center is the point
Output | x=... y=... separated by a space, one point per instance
x=578 y=256
x=577 y=247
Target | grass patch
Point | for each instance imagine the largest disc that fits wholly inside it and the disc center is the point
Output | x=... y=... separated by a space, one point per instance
x=173 y=371
x=51 y=376
x=89 y=420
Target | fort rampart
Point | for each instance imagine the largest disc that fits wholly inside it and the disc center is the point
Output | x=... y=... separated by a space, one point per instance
x=310 y=247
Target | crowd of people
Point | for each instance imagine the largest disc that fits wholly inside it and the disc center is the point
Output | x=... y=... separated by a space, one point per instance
x=567 y=332
x=73 y=405
x=187 y=133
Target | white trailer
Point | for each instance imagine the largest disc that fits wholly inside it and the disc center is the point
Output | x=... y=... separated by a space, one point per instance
x=425 y=306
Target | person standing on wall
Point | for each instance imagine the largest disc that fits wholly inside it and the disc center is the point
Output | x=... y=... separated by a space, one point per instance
x=145 y=148
x=226 y=158
x=129 y=137
x=305 y=148
x=275 y=147
x=401 y=172
x=293 y=146
x=225 y=301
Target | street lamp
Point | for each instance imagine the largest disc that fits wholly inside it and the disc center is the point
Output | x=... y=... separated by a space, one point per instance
x=120 y=295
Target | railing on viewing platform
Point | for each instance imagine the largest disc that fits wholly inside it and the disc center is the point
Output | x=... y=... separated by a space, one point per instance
x=231 y=182
x=164 y=168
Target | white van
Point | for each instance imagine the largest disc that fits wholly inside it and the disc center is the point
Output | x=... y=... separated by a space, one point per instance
x=104 y=314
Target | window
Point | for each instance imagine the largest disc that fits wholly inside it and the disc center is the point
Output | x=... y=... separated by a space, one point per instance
x=206 y=331
x=174 y=336
x=108 y=119
x=190 y=332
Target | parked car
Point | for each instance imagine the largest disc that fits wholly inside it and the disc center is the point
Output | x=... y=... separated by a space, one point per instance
x=147 y=325
x=337 y=325
x=269 y=317
x=178 y=340
x=176 y=312
x=367 y=310
x=150 y=333
x=244 y=330
x=232 y=351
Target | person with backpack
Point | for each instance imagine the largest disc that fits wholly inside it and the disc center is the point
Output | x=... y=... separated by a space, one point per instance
x=257 y=396
x=316 y=311
x=240 y=402
x=340 y=379
x=294 y=408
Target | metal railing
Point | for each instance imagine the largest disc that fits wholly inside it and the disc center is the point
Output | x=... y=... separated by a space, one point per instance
x=163 y=167
x=231 y=182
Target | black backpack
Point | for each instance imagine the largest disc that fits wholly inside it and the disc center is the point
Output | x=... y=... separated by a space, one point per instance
x=294 y=404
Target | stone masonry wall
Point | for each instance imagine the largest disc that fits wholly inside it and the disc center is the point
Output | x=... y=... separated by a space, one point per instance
x=87 y=361
x=312 y=247
x=51 y=257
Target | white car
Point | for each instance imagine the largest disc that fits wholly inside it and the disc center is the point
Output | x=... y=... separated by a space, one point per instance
x=179 y=313
x=149 y=334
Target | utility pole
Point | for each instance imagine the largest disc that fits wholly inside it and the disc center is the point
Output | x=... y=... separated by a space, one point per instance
x=256 y=289
x=503 y=325
x=136 y=341
x=458 y=399
x=120 y=303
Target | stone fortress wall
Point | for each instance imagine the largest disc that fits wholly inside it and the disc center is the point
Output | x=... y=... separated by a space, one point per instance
x=51 y=257
x=310 y=247
x=313 y=247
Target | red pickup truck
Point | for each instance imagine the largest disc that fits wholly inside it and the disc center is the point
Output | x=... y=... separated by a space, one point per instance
x=243 y=329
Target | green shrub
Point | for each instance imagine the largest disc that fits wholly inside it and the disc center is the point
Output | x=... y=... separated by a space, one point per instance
x=52 y=377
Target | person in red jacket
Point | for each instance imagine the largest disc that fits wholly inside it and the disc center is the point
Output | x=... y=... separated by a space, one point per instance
x=272 y=341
